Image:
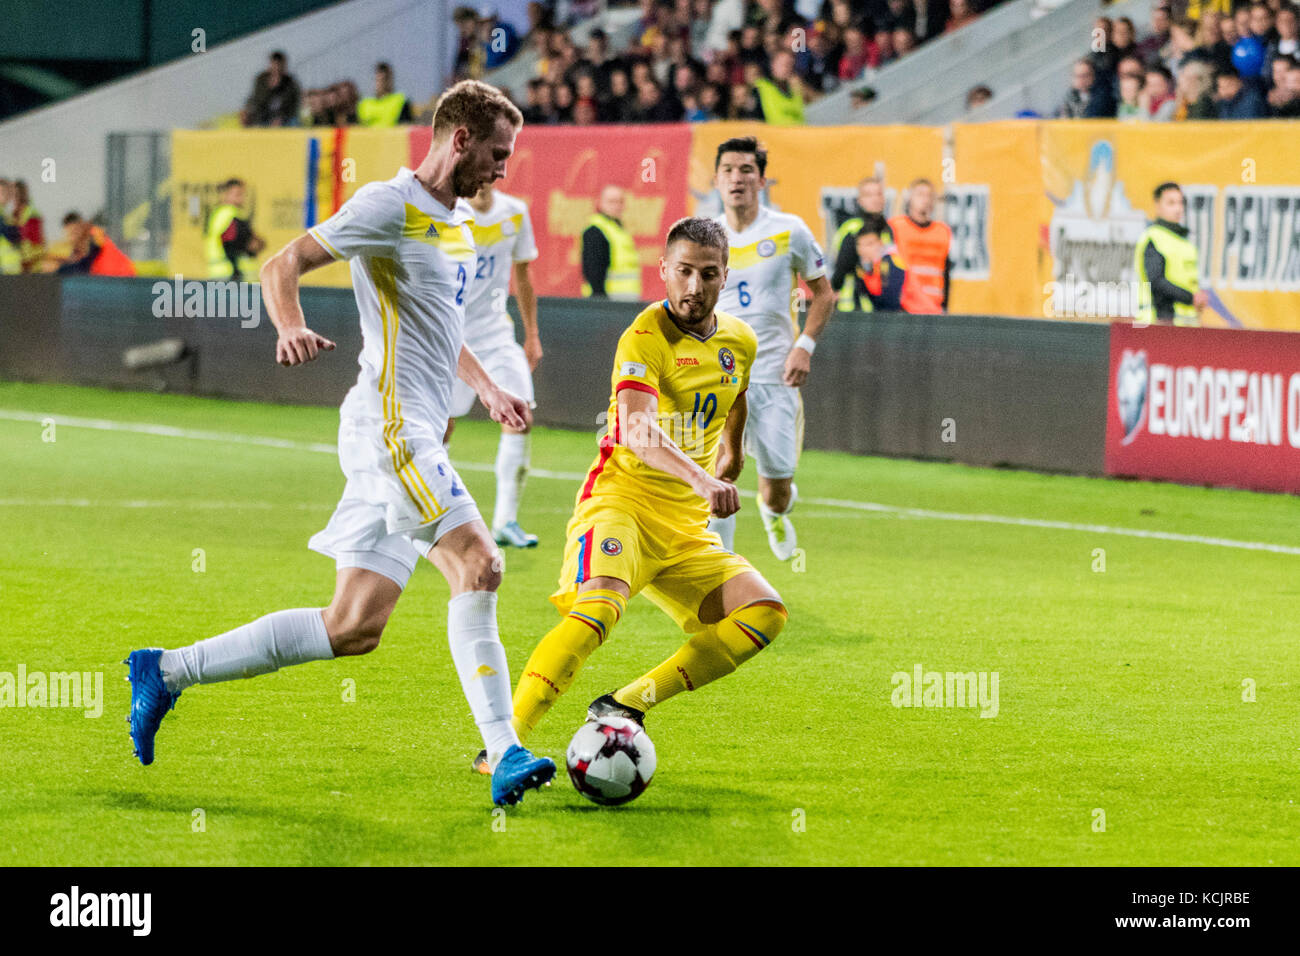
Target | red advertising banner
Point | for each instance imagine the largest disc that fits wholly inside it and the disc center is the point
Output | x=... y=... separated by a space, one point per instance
x=1205 y=406
x=560 y=171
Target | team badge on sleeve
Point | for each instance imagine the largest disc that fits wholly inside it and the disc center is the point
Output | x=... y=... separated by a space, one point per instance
x=726 y=360
x=612 y=547
x=632 y=368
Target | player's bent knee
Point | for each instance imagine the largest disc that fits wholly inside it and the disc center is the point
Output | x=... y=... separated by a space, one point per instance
x=762 y=621
x=483 y=569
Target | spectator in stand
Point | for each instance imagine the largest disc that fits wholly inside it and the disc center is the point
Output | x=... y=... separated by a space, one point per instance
x=619 y=102
x=744 y=103
x=1289 y=108
x=701 y=13
x=1105 y=58
x=1183 y=48
x=541 y=104
x=93 y=253
x=1158 y=94
x=1131 y=106
x=1228 y=27
x=1089 y=97
x=1237 y=100
x=564 y=100
x=781 y=95
x=902 y=15
x=274 y=100
x=1287 y=42
x=1278 y=93
x=712 y=101
x=822 y=67
x=31 y=227
x=977 y=96
x=387 y=108
x=1124 y=39
x=1152 y=45
x=1261 y=23
x=1194 y=93
x=499 y=38
x=344 y=97
x=652 y=106
x=1241 y=20
x=469 y=52
x=903 y=41
x=924 y=246
x=584 y=112
x=1209 y=38
x=596 y=58
x=858 y=55
x=960 y=13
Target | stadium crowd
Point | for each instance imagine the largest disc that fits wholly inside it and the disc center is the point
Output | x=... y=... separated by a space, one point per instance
x=693 y=60
x=1208 y=60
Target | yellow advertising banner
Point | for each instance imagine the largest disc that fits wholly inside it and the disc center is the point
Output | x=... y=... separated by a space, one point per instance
x=1241 y=182
x=294 y=178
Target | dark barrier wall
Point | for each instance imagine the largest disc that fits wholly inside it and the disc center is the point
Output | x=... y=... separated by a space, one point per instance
x=985 y=391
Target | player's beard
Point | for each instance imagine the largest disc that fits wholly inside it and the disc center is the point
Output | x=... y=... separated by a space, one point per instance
x=694 y=314
x=463 y=181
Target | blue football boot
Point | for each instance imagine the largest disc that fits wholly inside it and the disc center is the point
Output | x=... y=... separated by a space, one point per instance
x=150 y=700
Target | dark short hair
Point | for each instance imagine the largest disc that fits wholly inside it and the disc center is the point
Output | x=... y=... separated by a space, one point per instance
x=743 y=144
x=278 y=56
x=71 y=218
x=1226 y=69
x=701 y=231
x=873 y=222
x=384 y=67
x=229 y=183
x=1164 y=188
x=1163 y=71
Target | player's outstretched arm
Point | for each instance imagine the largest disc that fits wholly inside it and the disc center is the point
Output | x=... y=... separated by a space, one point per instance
x=639 y=411
x=799 y=362
x=526 y=296
x=506 y=408
x=280 y=274
x=731 y=455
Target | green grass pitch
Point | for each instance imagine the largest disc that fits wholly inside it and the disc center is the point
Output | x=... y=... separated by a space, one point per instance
x=1120 y=690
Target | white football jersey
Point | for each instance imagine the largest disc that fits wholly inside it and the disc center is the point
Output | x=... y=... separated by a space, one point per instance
x=762 y=274
x=412 y=262
x=503 y=236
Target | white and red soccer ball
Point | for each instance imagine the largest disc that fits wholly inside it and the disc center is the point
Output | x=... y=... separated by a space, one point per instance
x=611 y=760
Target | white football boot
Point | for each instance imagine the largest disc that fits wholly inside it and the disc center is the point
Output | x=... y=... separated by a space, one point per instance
x=780 y=531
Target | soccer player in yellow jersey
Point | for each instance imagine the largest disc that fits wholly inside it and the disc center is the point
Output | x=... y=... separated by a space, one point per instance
x=669 y=461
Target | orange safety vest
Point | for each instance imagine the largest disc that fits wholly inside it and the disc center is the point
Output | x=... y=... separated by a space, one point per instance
x=925 y=250
x=111 y=260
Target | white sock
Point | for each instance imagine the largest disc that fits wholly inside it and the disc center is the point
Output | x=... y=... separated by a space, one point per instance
x=726 y=529
x=480 y=660
x=512 y=469
x=768 y=514
x=265 y=645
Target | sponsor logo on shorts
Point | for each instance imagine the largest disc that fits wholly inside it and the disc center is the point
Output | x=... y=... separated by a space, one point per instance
x=726 y=360
x=687 y=360
x=612 y=547
x=766 y=248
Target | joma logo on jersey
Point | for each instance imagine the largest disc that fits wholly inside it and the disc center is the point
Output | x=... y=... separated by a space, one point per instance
x=687 y=360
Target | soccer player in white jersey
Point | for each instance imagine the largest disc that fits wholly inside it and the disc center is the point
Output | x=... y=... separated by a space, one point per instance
x=503 y=237
x=409 y=246
x=769 y=252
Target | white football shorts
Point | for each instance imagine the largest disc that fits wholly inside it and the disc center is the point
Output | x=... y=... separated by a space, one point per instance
x=401 y=496
x=774 y=428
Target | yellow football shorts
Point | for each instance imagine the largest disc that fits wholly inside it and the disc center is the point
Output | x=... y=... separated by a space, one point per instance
x=617 y=538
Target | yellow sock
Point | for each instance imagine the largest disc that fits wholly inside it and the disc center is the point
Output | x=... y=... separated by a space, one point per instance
x=556 y=660
x=709 y=654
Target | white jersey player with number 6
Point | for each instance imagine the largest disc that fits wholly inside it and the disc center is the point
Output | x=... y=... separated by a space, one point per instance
x=769 y=252
x=504 y=247
x=409 y=246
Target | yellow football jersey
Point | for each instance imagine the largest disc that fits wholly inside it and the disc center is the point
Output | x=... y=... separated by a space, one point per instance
x=697 y=381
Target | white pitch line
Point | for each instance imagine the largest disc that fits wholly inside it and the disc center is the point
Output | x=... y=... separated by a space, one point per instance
x=168 y=431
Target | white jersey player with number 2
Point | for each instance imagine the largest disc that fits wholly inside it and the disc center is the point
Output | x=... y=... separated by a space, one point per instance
x=769 y=252
x=409 y=246
x=504 y=247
